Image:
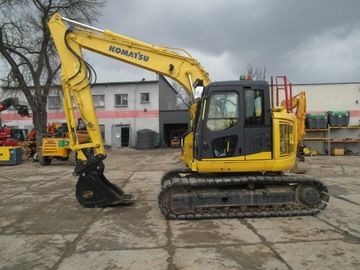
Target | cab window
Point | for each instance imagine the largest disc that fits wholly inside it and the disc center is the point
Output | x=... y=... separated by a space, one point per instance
x=254 y=106
x=223 y=111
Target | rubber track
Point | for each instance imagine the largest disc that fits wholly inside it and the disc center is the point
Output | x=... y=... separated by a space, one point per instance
x=174 y=179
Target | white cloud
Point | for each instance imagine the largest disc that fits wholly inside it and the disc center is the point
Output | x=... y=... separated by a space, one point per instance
x=219 y=67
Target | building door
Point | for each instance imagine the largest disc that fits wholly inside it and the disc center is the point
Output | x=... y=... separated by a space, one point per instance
x=125 y=136
x=120 y=135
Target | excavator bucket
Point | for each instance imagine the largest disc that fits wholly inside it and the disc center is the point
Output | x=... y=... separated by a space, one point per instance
x=94 y=190
x=23 y=111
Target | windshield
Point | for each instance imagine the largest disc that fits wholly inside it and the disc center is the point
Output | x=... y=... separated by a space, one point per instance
x=223 y=110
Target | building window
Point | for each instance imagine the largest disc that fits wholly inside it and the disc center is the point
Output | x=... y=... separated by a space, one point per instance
x=121 y=99
x=54 y=102
x=99 y=101
x=144 y=97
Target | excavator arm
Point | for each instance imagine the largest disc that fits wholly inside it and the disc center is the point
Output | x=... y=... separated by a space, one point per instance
x=93 y=189
x=298 y=102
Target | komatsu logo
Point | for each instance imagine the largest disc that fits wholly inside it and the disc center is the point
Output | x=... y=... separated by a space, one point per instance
x=135 y=55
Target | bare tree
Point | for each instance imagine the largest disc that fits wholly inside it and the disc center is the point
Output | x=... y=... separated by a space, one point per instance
x=183 y=101
x=28 y=51
x=255 y=73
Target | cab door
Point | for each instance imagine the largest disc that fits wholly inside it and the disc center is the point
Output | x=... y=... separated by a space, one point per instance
x=220 y=129
x=258 y=131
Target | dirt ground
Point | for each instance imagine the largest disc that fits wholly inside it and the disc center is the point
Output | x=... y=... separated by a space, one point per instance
x=42 y=226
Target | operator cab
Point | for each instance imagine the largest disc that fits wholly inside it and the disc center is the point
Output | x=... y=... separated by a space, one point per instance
x=233 y=120
x=19 y=134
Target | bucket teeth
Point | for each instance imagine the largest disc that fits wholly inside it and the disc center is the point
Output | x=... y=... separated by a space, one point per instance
x=94 y=190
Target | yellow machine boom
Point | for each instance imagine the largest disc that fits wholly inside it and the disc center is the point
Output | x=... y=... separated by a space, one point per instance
x=75 y=76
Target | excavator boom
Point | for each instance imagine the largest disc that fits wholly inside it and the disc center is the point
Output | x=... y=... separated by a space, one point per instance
x=93 y=189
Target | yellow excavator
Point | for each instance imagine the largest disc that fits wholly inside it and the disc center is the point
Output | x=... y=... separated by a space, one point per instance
x=235 y=153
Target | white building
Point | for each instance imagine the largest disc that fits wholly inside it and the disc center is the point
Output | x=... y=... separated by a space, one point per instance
x=333 y=97
x=122 y=108
x=326 y=97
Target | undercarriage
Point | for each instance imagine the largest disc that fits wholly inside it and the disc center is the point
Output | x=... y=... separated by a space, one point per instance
x=189 y=195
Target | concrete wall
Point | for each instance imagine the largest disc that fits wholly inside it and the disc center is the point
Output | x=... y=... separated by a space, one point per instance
x=332 y=97
x=322 y=98
x=167 y=95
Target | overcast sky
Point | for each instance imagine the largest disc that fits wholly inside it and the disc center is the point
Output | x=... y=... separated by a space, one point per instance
x=310 y=41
